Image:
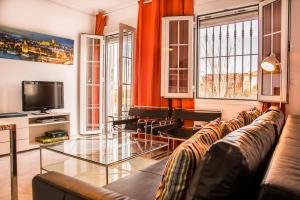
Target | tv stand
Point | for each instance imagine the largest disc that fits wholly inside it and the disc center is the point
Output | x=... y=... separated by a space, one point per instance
x=28 y=128
x=42 y=122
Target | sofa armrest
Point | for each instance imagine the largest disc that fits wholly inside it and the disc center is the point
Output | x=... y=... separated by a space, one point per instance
x=56 y=186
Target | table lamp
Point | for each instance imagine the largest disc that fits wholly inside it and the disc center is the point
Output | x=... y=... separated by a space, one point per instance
x=269 y=64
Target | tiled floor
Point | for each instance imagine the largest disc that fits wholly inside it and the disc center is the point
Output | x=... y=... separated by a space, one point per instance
x=29 y=166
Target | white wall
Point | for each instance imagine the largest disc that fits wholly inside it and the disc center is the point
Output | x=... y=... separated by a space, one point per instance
x=127 y=16
x=42 y=16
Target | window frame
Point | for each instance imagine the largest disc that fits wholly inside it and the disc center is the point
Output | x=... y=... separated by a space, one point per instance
x=165 y=58
x=285 y=52
x=122 y=28
x=108 y=39
x=236 y=11
x=119 y=37
x=83 y=107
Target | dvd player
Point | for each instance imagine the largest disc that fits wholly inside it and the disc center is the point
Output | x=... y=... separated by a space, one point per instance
x=56 y=133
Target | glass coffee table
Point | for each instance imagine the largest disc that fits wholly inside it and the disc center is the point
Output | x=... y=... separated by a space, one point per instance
x=102 y=150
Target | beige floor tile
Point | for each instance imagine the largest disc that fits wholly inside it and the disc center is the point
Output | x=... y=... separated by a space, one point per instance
x=29 y=166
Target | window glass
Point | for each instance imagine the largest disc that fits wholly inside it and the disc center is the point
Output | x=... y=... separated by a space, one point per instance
x=227 y=59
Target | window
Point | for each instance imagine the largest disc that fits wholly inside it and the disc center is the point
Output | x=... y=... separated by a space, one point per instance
x=112 y=80
x=177 y=57
x=92 y=116
x=106 y=78
x=227 y=54
x=274 y=34
x=119 y=71
x=127 y=41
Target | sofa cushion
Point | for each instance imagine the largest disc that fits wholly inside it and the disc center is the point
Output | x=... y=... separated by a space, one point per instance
x=250 y=115
x=232 y=125
x=232 y=167
x=182 y=163
x=139 y=186
x=157 y=168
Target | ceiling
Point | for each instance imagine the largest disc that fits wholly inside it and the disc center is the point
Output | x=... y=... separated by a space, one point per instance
x=94 y=6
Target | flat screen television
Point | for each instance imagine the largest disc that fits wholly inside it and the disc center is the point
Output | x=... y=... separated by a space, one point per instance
x=42 y=95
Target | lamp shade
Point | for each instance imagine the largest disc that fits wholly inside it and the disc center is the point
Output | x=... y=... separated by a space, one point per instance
x=269 y=64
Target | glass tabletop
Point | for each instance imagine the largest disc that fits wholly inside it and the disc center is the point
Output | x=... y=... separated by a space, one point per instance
x=105 y=150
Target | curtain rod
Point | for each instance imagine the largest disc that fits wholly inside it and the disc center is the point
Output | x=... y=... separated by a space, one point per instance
x=128 y=6
x=228 y=12
x=147 y=1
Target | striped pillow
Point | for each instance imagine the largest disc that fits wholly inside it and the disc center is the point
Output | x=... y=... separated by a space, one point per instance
x=183 y=162
x=232 y=125
x=250 y=115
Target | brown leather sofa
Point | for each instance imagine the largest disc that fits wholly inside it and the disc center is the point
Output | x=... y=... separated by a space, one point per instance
x=141 y=185
x=236 y=171
x=282 y=180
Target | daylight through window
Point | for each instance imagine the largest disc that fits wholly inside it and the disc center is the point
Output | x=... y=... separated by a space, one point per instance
x=228 y=56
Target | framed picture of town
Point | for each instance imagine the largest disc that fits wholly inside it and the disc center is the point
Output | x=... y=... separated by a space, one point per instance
x=25 y=45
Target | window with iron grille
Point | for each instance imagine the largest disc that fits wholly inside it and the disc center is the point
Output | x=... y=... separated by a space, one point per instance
x=227 y=54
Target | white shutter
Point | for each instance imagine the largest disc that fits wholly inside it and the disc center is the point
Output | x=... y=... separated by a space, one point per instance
x=177 y=57
x=274 y=38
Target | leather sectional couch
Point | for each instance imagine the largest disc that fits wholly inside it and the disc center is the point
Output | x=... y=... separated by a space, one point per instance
x=261 y=165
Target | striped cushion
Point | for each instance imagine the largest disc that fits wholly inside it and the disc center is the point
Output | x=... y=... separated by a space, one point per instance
x=183 y=162
x=250 y=115
x=232 y=125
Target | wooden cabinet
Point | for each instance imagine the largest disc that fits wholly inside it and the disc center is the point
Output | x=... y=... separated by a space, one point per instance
x=177 y=57
x=274 y=39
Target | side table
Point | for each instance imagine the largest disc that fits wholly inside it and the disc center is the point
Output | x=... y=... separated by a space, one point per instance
x=13 y=152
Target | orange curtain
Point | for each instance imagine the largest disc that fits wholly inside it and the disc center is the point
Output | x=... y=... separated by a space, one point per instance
x=100 y=23
x=99 y=28
x=147 y=74
x=147 y=57
x=177 y=7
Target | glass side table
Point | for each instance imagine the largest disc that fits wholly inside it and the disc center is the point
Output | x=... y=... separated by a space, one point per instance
x=103 y=150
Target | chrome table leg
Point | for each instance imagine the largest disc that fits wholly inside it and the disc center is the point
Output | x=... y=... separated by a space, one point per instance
x=106 y=175
x=41 y=161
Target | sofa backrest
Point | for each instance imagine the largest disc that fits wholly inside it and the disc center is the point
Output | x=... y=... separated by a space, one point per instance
x=233 y=167
x=275 y=116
